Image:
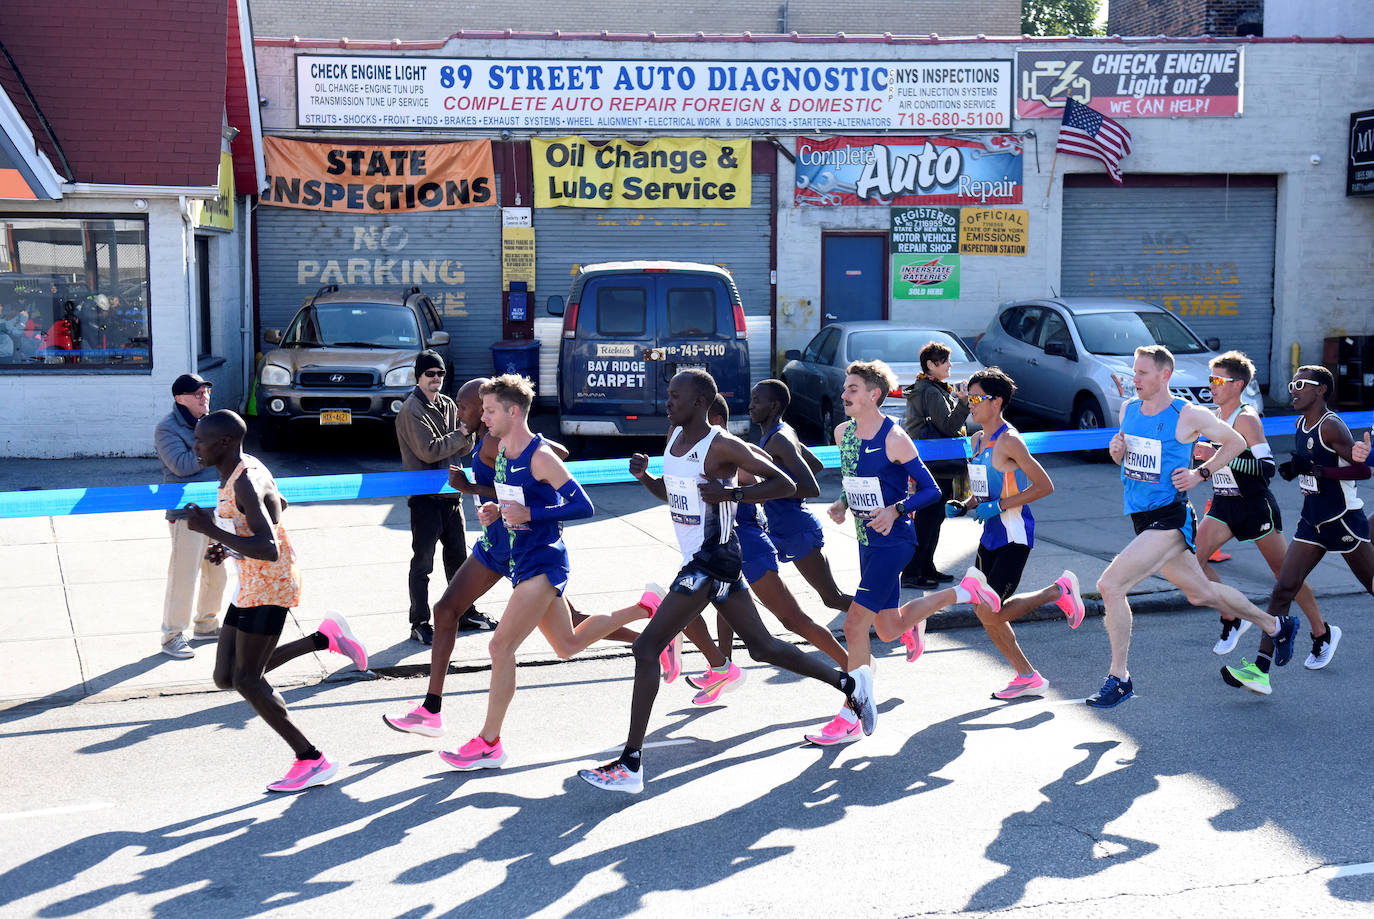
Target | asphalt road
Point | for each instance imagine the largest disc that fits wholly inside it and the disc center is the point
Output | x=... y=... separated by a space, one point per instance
x=1192 y=799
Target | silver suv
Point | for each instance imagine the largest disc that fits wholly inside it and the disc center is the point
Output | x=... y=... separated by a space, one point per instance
x=1071 y=357
x=347 y=356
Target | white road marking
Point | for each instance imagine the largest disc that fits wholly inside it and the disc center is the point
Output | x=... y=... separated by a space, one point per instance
x=1347 y=871
x=55 y=811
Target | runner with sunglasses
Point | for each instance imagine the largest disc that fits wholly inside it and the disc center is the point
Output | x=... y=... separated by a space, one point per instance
x=1332 y=518
x=1244 y=508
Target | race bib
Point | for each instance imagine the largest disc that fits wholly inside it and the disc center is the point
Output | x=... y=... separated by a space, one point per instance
x=978 y=480
x=1143 y=458
x=1308 y=484
x=511 y=494
x=864 y=494
x=684 y=500
x=1224 y=484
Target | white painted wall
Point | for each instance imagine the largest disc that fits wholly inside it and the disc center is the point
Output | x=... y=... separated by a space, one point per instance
x=1318 y=18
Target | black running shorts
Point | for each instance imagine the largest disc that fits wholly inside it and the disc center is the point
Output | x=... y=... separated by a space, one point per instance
x=257 y=620
x=1003 y=566
x=1177 y=516
x=1249 y=518
x=1344 y=534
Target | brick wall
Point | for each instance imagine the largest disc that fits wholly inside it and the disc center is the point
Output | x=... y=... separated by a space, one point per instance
x=1181 y=17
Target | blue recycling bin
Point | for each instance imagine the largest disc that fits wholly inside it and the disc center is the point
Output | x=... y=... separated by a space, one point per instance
x=520 y=357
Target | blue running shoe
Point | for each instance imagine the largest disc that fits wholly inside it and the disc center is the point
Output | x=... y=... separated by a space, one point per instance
x=1113 y=692
x=1283 y=641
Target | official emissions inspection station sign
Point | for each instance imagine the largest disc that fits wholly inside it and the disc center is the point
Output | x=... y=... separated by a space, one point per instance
x=701 y=96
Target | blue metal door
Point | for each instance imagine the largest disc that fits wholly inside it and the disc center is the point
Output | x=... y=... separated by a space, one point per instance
x=853 y=277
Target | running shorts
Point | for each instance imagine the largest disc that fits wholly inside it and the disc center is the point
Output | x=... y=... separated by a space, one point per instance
x=717 y=566
x=758 y=557
x=1177 y=516
x=257 y=620
x=1344 y=534
x=1003 y=566
x=797 y=541
x=497 y=562
x=880 y=574
x=548 y=560
x=1249 y=518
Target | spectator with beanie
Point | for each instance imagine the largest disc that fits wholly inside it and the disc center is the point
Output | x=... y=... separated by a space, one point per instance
x=174 y=439
x=430 y=437
x=934 y=410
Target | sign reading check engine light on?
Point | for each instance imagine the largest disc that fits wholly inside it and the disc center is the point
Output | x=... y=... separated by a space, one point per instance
x=604 y=96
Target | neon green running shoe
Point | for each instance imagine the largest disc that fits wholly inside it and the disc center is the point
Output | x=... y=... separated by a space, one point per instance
x=1247 y=676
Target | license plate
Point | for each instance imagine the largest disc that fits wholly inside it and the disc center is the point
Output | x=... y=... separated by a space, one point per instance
x=336 y=416
x=682 y=367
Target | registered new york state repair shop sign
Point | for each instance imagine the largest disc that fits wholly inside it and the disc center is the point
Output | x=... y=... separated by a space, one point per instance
x=534 y=94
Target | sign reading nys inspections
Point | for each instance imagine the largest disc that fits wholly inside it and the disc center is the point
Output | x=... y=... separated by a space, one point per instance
x=608 y=95
x=369 y=179
x=993 y=231
x=667 y=172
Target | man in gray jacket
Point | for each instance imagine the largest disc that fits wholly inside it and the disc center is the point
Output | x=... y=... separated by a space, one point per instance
x=430 y=437
x=175 y=437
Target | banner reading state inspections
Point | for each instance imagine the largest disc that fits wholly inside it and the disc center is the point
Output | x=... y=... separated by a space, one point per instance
x=668 y=95
x=667 y=172
x=370 y=179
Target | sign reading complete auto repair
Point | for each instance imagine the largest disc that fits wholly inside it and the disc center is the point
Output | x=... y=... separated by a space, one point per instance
x=667 y=95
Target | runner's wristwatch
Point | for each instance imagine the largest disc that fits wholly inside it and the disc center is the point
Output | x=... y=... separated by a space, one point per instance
x=1204 y=472
x=737 y=494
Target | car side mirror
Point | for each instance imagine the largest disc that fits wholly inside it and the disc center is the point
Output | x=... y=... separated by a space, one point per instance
x=272 y=336
x=438 y=338
x=554 y=305
x=1213 y=344
x=1060 y=349
x=791 y=354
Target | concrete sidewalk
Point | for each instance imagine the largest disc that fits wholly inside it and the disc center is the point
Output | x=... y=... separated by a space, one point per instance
x=81 y=597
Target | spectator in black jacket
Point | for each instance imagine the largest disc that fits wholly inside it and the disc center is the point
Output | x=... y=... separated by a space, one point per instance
x=934 y=410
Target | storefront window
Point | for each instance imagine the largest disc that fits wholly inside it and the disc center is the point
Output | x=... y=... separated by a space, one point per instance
x=74 y=294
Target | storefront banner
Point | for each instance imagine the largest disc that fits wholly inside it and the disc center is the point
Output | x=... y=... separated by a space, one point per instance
x=925 y=277
x=1135 y=83
x=984 y=169
x=924 y=229
x=373 y=179
x=1359 y=170
x=668 y=172
x=993 y=231
x=666 y=95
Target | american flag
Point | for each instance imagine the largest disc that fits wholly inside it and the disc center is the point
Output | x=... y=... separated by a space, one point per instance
x=1086 y=132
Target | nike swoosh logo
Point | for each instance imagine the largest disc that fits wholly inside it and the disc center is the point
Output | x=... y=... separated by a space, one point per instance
x=872 y=449
x=518 y=468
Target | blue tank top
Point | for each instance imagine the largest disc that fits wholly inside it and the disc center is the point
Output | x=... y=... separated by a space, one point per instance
x=494 y=538
x=1324 y=499
x=784 y=514
x=527 y=541
x=873 y=482
x=1013 y=526
x=1153 y=452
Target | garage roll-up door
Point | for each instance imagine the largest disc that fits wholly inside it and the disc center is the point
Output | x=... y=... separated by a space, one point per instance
x=454 y=256
x=1202 y=246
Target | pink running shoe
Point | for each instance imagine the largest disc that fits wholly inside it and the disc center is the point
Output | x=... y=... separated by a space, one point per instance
x=418 y=720
x=670 y=659
x=304 y=773
x=341 y=640
x=838 y=731
x=475 y=754
x=1070 y=600
x=714 y=683
x=915 y=641
x=653 y=596
x=1033 y=685
x=977 y=586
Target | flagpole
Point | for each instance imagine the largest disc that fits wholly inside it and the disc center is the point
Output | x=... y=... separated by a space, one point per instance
x=1053 y=163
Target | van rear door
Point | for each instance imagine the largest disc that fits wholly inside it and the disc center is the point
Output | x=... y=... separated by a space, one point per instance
x=604 y=368
x=700 y=329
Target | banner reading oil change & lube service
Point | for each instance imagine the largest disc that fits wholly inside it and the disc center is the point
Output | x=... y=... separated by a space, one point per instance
x=667 y=172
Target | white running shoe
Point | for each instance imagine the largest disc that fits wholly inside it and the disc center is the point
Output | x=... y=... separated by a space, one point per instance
x=1230 y=635
x=1323 y=651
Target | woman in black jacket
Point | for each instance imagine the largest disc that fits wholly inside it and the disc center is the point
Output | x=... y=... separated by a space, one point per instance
x=934 y=410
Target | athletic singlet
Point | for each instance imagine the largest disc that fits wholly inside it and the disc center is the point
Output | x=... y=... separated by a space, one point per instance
x=515 y=483
x=261 y=583
x=988 y=483
x=1153 y=452
x=697 y=523
x=873 y=482
x=1324 y=500
x=784 y=513
x=1229 y=482
x=494 y=538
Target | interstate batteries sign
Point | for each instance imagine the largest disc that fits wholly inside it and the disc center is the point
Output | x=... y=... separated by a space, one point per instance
x=543 y=95
x=908 y=170
x=667 y=172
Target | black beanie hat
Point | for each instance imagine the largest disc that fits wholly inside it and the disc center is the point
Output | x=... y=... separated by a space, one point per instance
x=427 y=360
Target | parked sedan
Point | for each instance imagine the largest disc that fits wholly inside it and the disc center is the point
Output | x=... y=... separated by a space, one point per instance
x=815 y=374
x=1072 y=357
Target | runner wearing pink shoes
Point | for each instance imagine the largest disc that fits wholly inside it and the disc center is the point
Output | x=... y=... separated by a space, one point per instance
x=1004 y=479
x=269 y=585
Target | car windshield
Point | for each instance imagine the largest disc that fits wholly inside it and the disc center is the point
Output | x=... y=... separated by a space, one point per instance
x=354 y=325
x=902 y=346
x=1120 y=333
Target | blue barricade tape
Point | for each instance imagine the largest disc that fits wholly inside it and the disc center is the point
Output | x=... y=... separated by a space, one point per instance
x=62 y=502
